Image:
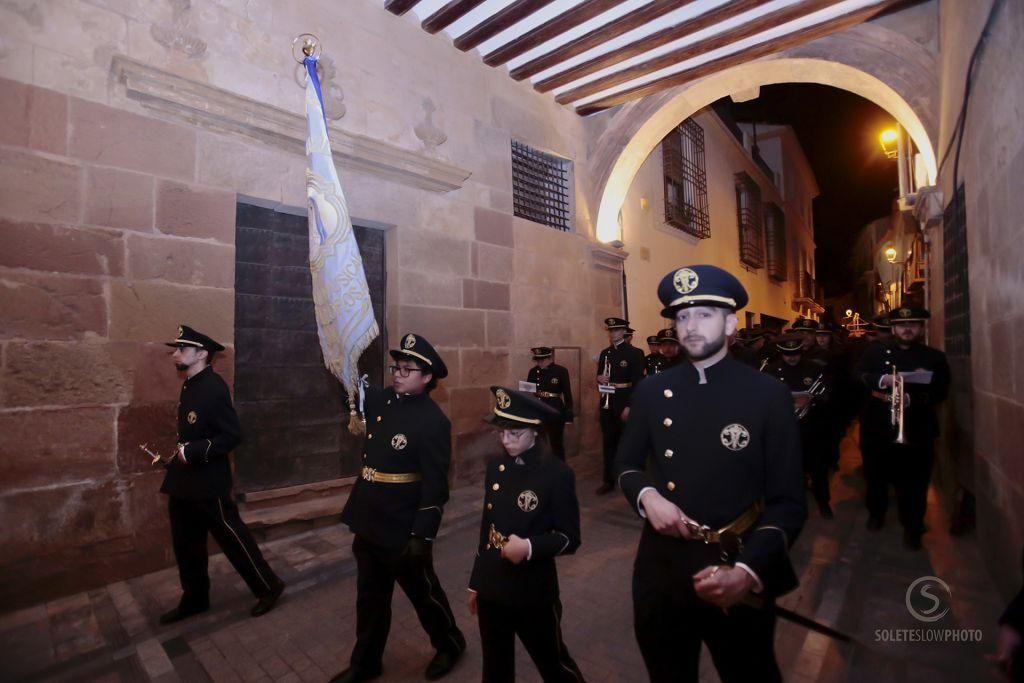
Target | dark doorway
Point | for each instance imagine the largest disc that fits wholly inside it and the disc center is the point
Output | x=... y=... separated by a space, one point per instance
x=293 y=411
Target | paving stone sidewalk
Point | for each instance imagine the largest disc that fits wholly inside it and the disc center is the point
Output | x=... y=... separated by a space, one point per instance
x=852 y=579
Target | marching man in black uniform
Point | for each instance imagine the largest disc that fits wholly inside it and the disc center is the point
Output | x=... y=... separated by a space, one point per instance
x=395 y=510
x=670 y=350
x=809 y=382
x=722 y=495
x=619 y=367
x=198 y=485
x=907 y=465
x=654 y=360
x=554 y=389
x=530 y=517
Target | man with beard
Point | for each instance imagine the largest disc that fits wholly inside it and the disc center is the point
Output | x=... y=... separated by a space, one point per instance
x=395 y=511
x=711 y=459
x=619 y=366
x=908 y=465
x=198 y=485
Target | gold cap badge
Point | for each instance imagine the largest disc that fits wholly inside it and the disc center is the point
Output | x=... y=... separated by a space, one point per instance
x=502 y=399
x=685 y=280
x=410 y=341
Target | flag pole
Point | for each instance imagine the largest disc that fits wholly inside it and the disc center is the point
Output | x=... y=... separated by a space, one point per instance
x=346 y=325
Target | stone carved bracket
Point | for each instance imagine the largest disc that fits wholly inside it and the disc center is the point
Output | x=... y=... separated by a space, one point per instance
x=213 y=108
x=607 y=258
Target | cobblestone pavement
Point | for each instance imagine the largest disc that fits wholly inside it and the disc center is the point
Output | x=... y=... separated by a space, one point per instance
x=852 y=579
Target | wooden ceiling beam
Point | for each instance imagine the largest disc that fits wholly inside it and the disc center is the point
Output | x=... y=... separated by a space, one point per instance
x=647 y=43
x=517 y=11
x=585 y=11
x=399 y=7
x=756 y=52
x=449 y=14
x=599 y=35
x=715 y=42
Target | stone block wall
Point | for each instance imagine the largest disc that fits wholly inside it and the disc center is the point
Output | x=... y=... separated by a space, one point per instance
x=991 y=167
x=108 y=245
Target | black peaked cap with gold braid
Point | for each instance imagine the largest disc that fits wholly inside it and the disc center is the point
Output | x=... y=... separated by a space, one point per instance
x=189 y=337
x=415 y=347
x=701 y=285
x=909 y=315
x=518 y=410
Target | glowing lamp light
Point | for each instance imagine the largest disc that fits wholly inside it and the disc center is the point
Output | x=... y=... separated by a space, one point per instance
x=889 y=139
x=890 y=254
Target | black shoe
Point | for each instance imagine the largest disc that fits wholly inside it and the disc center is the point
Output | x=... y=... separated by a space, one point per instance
x=267 y=602
x=826 y=511
x=874 y=523
x=605 y=488
x=354 y=675
x=179 y=613
x=443 y=662
x=911 y=539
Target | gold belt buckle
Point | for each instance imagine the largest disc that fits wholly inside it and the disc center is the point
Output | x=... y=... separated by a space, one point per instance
x=495 y=539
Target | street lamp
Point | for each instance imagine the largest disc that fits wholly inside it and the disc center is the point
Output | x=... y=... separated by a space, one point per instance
x=890 y=143
x=890 y=254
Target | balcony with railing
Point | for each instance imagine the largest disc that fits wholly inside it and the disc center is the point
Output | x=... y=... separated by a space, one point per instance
x=809 y=293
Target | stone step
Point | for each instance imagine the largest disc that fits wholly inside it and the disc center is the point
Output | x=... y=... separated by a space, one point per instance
x=294 y=509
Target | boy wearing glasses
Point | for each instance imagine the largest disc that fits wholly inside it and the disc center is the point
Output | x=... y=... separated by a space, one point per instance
x=531 y=516
x=395 y=510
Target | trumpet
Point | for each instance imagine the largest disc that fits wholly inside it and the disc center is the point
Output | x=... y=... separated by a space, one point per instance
x=898 y=406
x=607 y=371
x=154 y=456
x=763 y=364
x=816 y=389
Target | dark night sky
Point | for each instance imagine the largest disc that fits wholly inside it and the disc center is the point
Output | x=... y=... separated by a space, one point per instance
x=839 y=134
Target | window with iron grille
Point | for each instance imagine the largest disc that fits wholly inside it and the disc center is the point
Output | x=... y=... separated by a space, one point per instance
x=954 y=264
x=540 y=186
x=748 y=217
x=686 y=181
x=775 y=237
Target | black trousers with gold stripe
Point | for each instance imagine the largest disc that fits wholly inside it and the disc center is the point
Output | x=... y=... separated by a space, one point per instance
x=379 y=568
x=539 y=628
x=192 y=521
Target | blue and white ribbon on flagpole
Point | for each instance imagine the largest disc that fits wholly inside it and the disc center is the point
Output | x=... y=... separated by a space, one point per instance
x=341 y=297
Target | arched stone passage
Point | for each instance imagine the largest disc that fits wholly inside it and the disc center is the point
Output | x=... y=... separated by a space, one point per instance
x=640 y=126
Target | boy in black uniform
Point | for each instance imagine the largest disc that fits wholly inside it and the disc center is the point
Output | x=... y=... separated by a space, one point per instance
x=724 y=450
x=553 y=388
x=907 y=465
x=801 y=375
x=198 y=485
x=619 y=366
x=530 y=517
x=395 y=510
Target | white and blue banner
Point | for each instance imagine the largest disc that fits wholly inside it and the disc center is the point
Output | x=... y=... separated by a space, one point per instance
x=344 y=313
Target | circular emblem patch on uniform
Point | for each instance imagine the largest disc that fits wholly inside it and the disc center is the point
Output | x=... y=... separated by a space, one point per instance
x=191 y=417
x=527 y=501
x=685 y=280
x=502 y=399
x=554 y=380
x=410 y=341
x=735 y=437
x=398 y=442
x=808 y=381
x=623 y=364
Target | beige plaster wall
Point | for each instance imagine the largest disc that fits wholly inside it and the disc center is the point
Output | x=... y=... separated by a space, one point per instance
x=656 y=248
